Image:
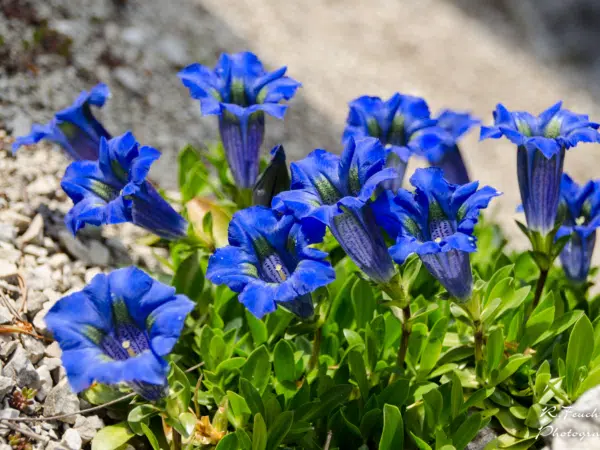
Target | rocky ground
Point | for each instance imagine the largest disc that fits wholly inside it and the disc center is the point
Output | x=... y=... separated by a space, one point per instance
x=40 y=262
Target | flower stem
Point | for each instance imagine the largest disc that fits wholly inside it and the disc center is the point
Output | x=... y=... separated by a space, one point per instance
x=406 y=330
x=539 y=288
x=176 y=440
x=314 y=357
x=478 y=334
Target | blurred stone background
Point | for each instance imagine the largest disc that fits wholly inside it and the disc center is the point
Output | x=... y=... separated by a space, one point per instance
x=461 y=54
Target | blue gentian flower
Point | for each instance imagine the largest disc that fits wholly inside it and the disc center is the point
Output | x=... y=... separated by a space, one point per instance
x=75 y=128
x=447 y=156
x=269 y=262
x=541 y=142
x=436 y=222
x=240 y=91
x=334 y=192
x=118 y=329
x=114 y=190
x=402 y=123
x=580 y=210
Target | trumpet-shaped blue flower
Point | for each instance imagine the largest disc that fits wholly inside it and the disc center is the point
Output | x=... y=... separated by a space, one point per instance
x=118 y=329
x=114 y=190
x=240 y=91
x=541 y=142
x=436 y=222
x=334 y=192
x=402 y=123
x=580 y=210
x=447 y=156
x=75 y=128
x=269 y=262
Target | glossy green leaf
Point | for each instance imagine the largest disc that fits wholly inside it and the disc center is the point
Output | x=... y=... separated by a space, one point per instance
x=283 y=360
x=229 y=442
x=392 y=437
x=579 y=353
x=112 y=437
x=252 y=397
x=279 y=429
x=363 y=302
x=259 y=433
x=359 y=373
x=257 y=369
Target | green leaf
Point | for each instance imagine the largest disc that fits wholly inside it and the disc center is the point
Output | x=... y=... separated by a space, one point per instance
x=579 y=353
x=258 y=329
x=112 y=437
x=189 y=278
x=188 y=423
x=150 y=436
x=229 y=442
x=257 y=369
x=180 y=395
x=560 y=325
x=392 y=437
x=370 y=422
x=467 y=431
x=494 y=349
x=329 y=400
x=456 y=395
x=239 y=408
x=420 y=443
x=359 y=373
x=244 y=442
x=395 y=394
x=510 y=366
x=259 y=433
x=252 y=397
x=99 y=394
x=283 y=360
x=279 y=430
x=424 y=312
x=363 y=302
x=433 y=347
x=592 y=380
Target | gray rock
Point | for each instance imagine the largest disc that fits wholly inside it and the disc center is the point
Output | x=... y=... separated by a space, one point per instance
x=21 y=124
x=53 y=350
x=35 y=250
x=55 y=446
x=7 y=269
x=39 y=278
x=38 y=321
x=96 y=254
x=8 y=233
x=50 y=363
x=573 y=422
x=20 y=369
x=45 y=383
x=9 y=253
x=87 y=427
x=35 y=232
x=128 y=79
x=6 y=385
x=20 y=221
x=174 y=50
x=33 y=347
x=72 y=439
x=61 y=400
x=99 y=254
x=5 y=315
x=35 y=302
x=484 y=437
x=58 y=260
x=43 y=186
x=7 y=345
